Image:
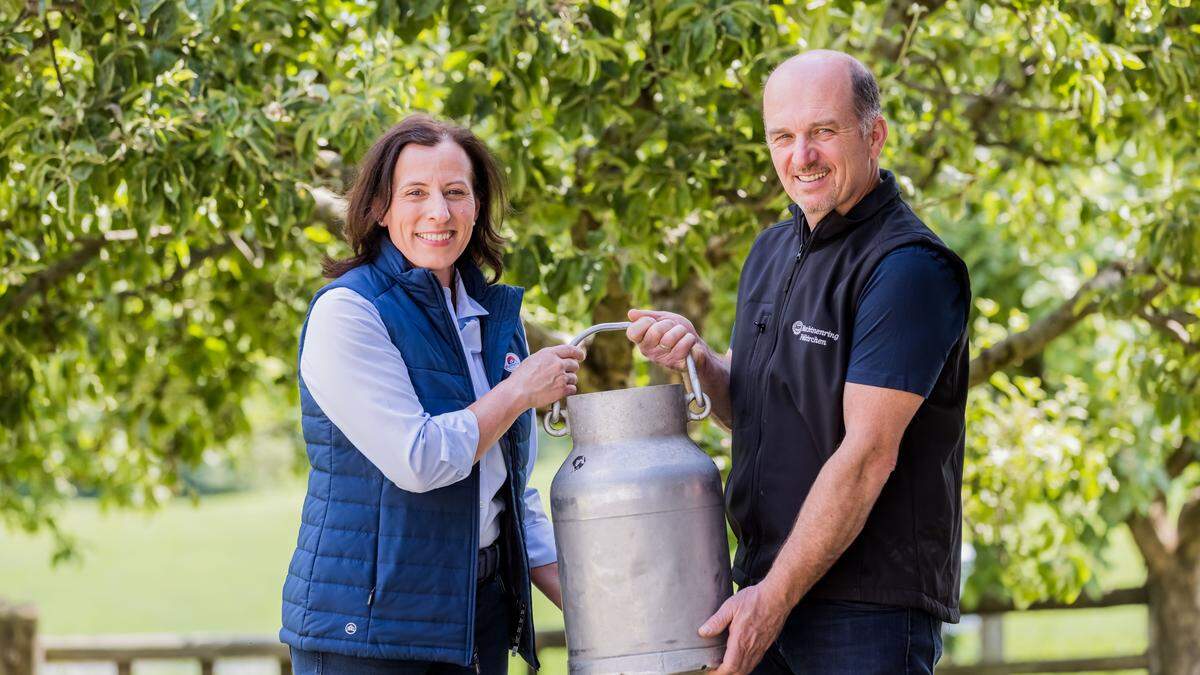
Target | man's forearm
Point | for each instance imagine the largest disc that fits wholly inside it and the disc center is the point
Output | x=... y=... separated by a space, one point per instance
x=714 y=379
x=833 y=514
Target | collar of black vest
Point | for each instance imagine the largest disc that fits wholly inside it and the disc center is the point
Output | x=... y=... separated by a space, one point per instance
x=835 y=224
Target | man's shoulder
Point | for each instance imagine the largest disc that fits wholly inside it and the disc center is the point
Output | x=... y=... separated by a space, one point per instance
x=771 y=236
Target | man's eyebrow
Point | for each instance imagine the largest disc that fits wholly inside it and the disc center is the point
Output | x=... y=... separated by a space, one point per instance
x=772 y=132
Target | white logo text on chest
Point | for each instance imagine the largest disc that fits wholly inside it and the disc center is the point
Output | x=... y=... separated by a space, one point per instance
x=817 y=336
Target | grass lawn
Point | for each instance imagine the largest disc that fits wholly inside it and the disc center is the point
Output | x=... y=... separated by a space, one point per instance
x=219 y=567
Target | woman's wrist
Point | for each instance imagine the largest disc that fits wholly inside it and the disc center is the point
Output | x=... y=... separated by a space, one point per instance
x=518 y=400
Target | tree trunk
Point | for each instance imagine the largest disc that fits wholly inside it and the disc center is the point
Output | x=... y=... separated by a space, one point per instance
x=692 y=300
x=609 y=357
x=18 y=639
x=1175 y=619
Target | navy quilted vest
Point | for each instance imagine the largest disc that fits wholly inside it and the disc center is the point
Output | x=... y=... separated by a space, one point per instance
x=380 y=572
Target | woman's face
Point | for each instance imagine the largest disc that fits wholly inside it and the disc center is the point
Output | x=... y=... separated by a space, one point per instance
x=433 y=206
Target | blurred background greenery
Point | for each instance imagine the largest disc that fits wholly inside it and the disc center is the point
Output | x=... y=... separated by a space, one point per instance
x=169 y=180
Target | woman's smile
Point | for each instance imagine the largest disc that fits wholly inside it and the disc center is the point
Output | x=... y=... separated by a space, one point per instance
x=439 y=238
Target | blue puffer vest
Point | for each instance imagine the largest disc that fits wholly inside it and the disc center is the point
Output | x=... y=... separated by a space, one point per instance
x=380 y=572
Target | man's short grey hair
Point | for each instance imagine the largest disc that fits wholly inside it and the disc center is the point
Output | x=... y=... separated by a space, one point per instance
x=866 y=96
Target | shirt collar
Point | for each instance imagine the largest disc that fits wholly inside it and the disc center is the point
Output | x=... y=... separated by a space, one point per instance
x=465 y=307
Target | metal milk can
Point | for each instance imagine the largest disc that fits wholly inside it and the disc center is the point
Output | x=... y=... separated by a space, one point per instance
x=639 y=521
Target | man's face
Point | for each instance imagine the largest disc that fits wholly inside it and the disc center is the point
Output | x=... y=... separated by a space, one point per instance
x=817 y=146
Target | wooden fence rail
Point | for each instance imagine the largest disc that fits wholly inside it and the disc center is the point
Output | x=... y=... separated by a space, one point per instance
x=21 y=649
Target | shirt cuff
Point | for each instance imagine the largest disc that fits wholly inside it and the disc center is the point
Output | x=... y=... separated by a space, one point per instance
x=539 y=533
x=460 y=438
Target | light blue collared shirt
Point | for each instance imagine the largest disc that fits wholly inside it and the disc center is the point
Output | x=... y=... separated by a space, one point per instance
x=358 y=377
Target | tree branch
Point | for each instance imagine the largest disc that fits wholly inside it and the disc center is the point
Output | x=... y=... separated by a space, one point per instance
x=1182 y=458
x=1171 y=328
x=1020 y=346
x=54 y=55
x=540 y=336
x=86 y=251
x=1188 y=526
x=1153 y=540
x=194 y=261
x=1114 y=598
x=996 y=99
x=330 y=207
x=51 y=275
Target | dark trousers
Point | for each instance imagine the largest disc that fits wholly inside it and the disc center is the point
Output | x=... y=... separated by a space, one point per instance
x=831 y=636
x=491 y=641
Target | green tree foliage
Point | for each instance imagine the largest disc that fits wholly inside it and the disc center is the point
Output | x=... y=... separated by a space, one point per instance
x=168 y=166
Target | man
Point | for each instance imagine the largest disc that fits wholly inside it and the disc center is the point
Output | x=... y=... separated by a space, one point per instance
x=846 y=394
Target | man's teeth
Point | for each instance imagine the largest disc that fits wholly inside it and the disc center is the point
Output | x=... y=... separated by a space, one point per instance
x=810 y=177
x=435 y=236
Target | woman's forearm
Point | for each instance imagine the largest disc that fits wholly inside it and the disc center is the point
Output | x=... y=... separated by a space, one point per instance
x=546 y=579
x=495 y=412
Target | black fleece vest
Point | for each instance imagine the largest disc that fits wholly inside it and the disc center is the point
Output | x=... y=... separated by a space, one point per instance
x=797 y=299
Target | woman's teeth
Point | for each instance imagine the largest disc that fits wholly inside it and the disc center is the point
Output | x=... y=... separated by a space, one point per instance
x=811 y=177
x=434 y=236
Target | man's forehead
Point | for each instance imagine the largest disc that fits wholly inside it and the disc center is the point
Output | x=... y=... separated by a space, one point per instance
x=808 y=91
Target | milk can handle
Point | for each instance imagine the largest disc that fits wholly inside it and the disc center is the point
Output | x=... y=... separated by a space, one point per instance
x=558 y=416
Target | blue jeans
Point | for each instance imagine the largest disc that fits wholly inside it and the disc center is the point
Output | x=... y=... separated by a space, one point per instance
x=491 y=642
x=834 y=636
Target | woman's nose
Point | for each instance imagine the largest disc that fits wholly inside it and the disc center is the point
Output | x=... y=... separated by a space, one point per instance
x=438 y=210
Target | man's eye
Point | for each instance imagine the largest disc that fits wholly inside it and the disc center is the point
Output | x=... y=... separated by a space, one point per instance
x=824 y=131
x=783 y=138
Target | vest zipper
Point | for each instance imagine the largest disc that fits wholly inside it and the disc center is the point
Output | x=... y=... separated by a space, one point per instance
x=466 y=369
x=516 y=643
x=781 y=304
x=519 y=593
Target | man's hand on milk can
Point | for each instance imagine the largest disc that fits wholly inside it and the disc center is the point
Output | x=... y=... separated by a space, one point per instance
x=755 y=617
x=666 y=338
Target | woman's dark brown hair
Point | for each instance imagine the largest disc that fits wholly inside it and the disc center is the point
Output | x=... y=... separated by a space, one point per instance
x=371 y=195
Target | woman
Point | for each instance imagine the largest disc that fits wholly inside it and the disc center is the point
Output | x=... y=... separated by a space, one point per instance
x=419 y=536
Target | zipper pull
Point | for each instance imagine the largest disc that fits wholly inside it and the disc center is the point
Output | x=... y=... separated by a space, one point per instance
x=475 y=661
x=371 y=597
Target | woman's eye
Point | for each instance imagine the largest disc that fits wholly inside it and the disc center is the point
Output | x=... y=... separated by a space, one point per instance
x=415 y=193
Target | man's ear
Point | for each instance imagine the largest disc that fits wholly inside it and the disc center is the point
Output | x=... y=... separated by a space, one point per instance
x=879 y=134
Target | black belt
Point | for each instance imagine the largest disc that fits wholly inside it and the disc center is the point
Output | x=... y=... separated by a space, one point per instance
x=488 y=562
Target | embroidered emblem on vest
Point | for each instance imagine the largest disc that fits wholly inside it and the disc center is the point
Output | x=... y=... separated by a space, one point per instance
x=351 y=628
x=818 y=336
x=511 y=361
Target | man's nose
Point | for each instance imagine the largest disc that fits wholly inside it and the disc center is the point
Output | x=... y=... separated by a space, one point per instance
x=803 y=154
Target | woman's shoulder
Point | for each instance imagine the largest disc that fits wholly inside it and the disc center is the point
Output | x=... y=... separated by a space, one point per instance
x=340 y=307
